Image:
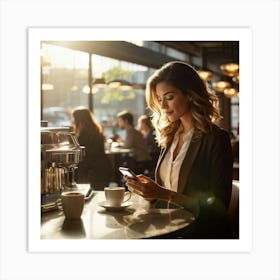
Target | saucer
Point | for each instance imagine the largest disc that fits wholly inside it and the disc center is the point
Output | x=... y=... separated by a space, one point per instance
x=114 y=208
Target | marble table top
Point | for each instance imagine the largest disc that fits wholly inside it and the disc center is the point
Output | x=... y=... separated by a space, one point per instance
x=136 y=221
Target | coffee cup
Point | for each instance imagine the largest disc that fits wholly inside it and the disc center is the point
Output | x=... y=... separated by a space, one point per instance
x=72 y=204
x=115 y=196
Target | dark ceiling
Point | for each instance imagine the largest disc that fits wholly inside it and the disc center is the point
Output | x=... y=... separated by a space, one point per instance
x=214 y=51
x=202 y=54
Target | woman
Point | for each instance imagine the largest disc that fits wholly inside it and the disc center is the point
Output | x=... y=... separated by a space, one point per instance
x=194 y=169
x=96 y=168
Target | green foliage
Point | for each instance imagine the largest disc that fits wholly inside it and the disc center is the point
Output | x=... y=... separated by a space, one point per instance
x=117 y=73
x=114 y=94
x=111 y=95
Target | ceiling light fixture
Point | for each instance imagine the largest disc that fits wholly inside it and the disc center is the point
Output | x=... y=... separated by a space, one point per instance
x=230 y=92
x=236 y=78
x=99 y=83
x=220 y=86
x=120 y=84
x=230 y=69
x=205 y=75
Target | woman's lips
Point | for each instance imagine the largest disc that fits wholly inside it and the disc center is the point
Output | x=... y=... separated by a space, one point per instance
x=169 y=113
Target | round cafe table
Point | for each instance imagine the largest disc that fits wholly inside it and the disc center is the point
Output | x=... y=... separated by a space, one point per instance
x=138 y=220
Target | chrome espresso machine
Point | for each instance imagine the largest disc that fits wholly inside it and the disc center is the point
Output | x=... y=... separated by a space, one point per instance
x=60 y=155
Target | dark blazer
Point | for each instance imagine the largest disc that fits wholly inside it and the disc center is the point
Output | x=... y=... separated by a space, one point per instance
x=206 y=174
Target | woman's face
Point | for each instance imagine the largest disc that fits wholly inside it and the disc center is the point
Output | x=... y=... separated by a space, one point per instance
x=172 y=101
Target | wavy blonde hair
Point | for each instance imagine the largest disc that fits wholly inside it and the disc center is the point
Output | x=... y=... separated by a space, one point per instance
x=202 y=103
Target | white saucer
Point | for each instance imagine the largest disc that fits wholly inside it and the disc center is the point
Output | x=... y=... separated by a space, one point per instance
x=114 y=208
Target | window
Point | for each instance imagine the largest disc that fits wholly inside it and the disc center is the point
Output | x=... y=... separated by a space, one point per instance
x=65 y=86
x=64 y=73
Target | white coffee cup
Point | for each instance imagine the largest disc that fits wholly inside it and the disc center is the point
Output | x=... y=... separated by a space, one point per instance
x=115 y=196
x=72 y=204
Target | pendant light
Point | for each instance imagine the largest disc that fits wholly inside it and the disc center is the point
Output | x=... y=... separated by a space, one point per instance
x=230 y=69
x=220 y=86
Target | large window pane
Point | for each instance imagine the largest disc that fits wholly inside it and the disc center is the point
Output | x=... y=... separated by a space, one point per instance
x=109 y=101
x=65 y=86
x=64 y=74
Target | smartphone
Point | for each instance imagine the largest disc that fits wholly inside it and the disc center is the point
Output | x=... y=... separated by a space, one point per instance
x=127 y=172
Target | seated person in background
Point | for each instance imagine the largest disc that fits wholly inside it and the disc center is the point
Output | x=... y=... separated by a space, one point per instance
x=96 y=167
x=194 y=170
x=140 y=159
x=145 y=126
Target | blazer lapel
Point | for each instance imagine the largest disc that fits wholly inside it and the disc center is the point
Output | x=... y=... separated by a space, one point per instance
x=187 y=164
x=161 y=156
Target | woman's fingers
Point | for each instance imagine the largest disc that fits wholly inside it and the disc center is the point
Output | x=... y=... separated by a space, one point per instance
x=143 y=178
x=136 y=186
x=145 y=187
x=135 y=190
x=139 y=188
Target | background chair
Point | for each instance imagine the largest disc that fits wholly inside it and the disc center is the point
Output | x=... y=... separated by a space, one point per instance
x=233 y=211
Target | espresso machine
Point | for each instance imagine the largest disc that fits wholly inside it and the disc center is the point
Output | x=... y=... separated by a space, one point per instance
x=60 y=156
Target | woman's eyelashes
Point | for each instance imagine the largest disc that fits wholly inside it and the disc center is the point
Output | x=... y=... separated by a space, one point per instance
x=166 y=98
x=169 y=97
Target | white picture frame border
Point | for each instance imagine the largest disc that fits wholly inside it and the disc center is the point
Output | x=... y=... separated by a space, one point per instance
x=243 y=35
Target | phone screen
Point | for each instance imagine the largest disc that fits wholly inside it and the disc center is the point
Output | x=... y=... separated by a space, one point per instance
x=127 y=172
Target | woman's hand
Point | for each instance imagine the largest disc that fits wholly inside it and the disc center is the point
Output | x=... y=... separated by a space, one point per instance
x=147 y=188
x=150 y=190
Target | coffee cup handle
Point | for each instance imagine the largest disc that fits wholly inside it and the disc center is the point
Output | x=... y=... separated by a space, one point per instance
x=127 y=194
x=59 y=204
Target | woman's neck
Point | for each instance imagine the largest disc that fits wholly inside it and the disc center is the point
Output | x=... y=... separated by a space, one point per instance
x=186 y=122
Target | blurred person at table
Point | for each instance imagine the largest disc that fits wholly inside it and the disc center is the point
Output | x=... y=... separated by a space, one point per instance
x=194 y=170
x=139 y=160
x=146 y=127
x=96 y=167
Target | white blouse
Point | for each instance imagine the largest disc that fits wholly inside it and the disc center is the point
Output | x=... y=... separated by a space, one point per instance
x=169 y=169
